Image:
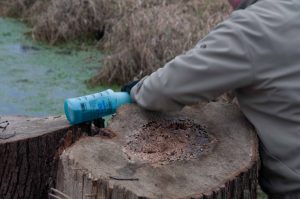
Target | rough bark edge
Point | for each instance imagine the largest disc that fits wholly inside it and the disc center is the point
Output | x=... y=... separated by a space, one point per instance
x=89 y=187
x=241 y=185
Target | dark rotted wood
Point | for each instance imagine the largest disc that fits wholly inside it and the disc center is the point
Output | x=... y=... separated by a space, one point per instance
x=101 y=167
x=29 y=160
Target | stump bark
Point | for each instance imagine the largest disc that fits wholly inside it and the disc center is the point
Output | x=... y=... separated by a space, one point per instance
x=203 y=153
x=29 y=160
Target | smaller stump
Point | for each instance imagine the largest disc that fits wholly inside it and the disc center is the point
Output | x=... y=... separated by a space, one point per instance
x=205 y=153
x=29 y=150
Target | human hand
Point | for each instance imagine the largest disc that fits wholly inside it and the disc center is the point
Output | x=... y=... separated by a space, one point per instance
x=127 y=87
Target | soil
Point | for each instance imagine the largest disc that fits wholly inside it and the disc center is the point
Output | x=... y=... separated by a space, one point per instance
x=169 y=140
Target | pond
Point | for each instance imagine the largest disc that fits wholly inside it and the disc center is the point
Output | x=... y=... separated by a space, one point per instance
x=36 y=77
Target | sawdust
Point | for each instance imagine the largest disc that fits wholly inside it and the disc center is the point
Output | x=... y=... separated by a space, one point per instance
x=167 y=141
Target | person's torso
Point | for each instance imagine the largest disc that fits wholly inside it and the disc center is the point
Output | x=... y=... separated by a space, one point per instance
x=272 y=103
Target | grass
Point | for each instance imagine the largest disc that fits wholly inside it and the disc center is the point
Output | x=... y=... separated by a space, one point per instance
x=142 y=41
x=137 y=36
x=261 y=194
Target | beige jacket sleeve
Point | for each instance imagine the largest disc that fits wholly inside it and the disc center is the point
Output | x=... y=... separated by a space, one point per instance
x=218 y=63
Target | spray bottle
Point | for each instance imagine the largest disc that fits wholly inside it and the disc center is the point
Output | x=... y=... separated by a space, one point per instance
x=94 y=106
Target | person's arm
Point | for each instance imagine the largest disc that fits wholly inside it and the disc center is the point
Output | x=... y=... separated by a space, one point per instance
x=220 y=62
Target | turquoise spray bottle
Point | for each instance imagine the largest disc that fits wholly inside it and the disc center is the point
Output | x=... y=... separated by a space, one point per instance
x=94 y=106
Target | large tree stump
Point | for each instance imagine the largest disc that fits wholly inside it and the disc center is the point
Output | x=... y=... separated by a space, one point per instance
x=208 y=153
x=29 y=159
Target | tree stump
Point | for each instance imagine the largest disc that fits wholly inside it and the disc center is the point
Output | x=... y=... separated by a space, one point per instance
x=203 y=153
x=29 y=158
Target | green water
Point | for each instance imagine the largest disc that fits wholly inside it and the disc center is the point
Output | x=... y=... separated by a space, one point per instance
x=35 y=78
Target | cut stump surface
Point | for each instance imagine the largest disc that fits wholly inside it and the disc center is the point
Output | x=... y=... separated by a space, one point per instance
x=208 y=152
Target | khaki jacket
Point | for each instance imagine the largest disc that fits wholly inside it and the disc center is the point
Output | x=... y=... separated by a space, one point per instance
x=256 y=53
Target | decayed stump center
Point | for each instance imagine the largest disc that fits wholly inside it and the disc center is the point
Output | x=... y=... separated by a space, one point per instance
x=203 y=153
x=165 y=141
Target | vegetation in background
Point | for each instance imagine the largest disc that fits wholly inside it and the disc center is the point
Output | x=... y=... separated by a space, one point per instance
x=142 y=41
x=137 y=36
x=27 y=10
x=261 y=194
x=36 y=78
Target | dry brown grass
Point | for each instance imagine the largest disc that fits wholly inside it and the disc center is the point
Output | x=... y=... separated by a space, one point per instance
x=144 y=40
x=72 y=19
x=139 y=35
x=27 y=10
x=66 y=20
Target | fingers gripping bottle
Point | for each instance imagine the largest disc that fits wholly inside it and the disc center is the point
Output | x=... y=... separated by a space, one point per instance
x=91 y=107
